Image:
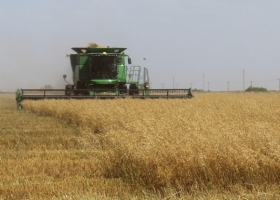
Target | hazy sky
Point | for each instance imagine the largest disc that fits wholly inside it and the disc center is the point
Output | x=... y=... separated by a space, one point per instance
x=183 y=39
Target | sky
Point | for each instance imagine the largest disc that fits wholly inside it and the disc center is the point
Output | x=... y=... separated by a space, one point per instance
x=203 y=44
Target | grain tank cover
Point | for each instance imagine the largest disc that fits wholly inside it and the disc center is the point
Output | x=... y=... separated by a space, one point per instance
x=98 y=50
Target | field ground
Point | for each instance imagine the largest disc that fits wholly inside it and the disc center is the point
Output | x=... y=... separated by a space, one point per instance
x=215 y=146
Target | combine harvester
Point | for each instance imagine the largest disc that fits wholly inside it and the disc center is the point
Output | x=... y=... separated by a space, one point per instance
x=101 y=73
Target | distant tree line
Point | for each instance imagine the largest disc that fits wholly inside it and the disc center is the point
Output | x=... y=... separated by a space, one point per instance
x=249 y=89
x=256 y=89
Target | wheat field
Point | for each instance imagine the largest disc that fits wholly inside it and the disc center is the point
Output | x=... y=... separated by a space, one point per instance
x=215 y=146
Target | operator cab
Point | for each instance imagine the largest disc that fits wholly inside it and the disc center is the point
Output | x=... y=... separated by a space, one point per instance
x=103 y=67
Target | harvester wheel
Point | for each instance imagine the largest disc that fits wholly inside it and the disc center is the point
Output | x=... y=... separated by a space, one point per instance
x=133 y=89
x=68 y=87
x=123 y=89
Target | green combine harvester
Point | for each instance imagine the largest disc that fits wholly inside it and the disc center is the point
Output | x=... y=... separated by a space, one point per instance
x=103 y=73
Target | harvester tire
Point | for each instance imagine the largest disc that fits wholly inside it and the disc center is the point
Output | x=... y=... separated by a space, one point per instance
x=133 y=90
x=68 y=87
x=123 y=89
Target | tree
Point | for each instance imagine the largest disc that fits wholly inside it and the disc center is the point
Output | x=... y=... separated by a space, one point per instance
x=197 y=90
x=256 y=89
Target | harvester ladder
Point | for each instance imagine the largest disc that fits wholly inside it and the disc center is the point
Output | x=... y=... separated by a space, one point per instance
x=134 y=75
x=146 y=77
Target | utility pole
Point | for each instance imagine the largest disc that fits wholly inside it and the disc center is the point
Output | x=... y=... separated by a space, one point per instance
x=243 y=80
x=203 y=82
x=228 y=86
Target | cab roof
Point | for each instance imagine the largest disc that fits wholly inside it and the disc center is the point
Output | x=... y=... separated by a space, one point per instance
x=98 y=50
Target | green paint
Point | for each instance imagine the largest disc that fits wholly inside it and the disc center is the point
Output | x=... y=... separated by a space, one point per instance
x=99 y=67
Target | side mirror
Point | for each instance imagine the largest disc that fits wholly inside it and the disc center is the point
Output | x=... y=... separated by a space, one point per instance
x=129 y=60
x=64 y=76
